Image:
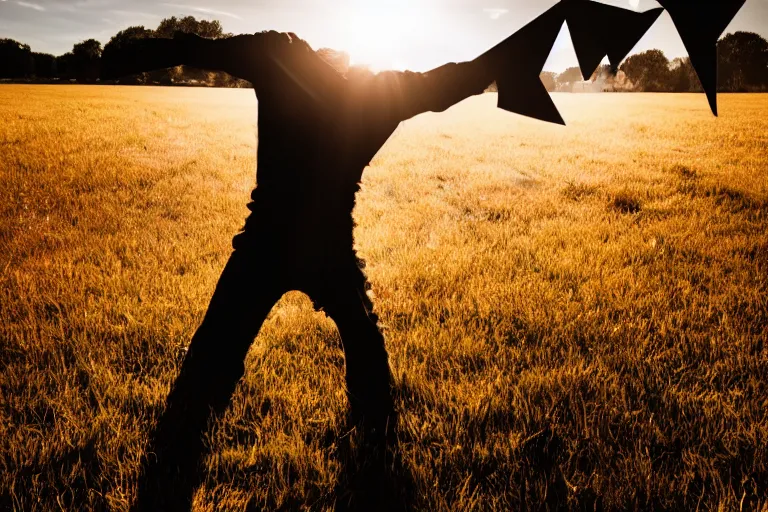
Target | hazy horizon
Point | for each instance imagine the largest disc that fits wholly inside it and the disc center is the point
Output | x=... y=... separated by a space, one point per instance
x=416 y=35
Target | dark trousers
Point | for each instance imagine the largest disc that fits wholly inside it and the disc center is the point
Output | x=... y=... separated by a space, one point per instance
x=254 y=278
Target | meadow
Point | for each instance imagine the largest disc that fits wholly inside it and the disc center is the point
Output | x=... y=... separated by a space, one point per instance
x=576 y=316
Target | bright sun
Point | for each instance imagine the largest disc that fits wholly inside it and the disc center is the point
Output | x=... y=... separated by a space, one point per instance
x=376 y=35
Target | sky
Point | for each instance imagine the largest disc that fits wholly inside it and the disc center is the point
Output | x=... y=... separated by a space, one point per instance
x=400 y=34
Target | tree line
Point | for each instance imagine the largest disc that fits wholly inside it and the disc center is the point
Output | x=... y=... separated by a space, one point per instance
x=742 y=64
x=742 y=67
x=83 y=63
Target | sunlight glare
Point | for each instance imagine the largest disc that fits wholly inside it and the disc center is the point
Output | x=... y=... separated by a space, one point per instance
x=374 y=34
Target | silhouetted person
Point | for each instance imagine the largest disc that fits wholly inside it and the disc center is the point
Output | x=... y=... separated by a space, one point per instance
x=318 y=130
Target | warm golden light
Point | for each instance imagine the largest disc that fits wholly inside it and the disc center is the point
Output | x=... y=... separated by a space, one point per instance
x=374 y=34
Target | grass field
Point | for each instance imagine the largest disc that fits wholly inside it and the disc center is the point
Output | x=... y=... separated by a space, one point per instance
x=577 y=317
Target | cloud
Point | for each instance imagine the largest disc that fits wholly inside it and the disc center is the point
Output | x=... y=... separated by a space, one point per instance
x=495 y=13
x=31 y=6
x=204 y=10
x=133 y=14
x=94 y=3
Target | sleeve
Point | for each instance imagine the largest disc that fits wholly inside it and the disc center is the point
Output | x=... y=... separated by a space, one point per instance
x=245 y=56
x=269 y=60
x=407 y=94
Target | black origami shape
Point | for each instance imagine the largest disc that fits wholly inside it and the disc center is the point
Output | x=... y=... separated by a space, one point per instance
x=520 y=88
x=700 y=24
x=599 y=30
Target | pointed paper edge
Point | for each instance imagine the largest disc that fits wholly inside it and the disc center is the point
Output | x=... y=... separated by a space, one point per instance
x=689 y=37
x=536 y=87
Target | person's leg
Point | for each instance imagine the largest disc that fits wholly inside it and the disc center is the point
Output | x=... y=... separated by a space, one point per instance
x=369 y=379
x=244 y=295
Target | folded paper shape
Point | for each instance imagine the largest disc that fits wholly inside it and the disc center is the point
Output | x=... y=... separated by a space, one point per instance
x=526 y=51
x=700 y=24
x=600 y=30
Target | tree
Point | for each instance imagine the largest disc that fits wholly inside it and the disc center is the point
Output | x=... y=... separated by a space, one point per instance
x=188 y=24
x=567 y=78
x=603 y=72
x=44 y=65
x=65 y=67
x=604 y=78
x=89 y=49
x=683 y=77
x=648 y=71
x=86 y=58
x=549 y=79
x=203 y=28
x=742 y=62
x=126 y=35
x=16 y=59
x=118 y=41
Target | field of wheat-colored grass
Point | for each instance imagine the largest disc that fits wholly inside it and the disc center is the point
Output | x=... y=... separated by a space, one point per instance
x=577 y=317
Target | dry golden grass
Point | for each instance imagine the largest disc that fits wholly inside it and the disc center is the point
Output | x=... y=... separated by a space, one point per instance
x=577 y=317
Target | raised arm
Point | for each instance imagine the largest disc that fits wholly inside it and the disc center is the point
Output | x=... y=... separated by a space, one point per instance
x=243 y=56
x=407 y=94
x=514 y=63
x=272 y=61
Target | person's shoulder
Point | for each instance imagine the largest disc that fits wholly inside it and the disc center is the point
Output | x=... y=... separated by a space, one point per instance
x=288 y=41
x=288 y=49
x=294 y=55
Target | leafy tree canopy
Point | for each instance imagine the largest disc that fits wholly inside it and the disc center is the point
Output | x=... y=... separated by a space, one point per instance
x=128 y=34
x=742 y=61
x=570 y=75
x=89 y=49
x=15 y=59
x=188 y=24
x=648 y=70
x=549 y=79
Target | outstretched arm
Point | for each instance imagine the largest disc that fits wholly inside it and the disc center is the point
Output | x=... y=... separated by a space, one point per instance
x=434 y=91
x=271 y=61
x=242 y=56
x=408 y=94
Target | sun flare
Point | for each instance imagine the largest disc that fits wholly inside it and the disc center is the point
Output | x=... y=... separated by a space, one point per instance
x=375 y=35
